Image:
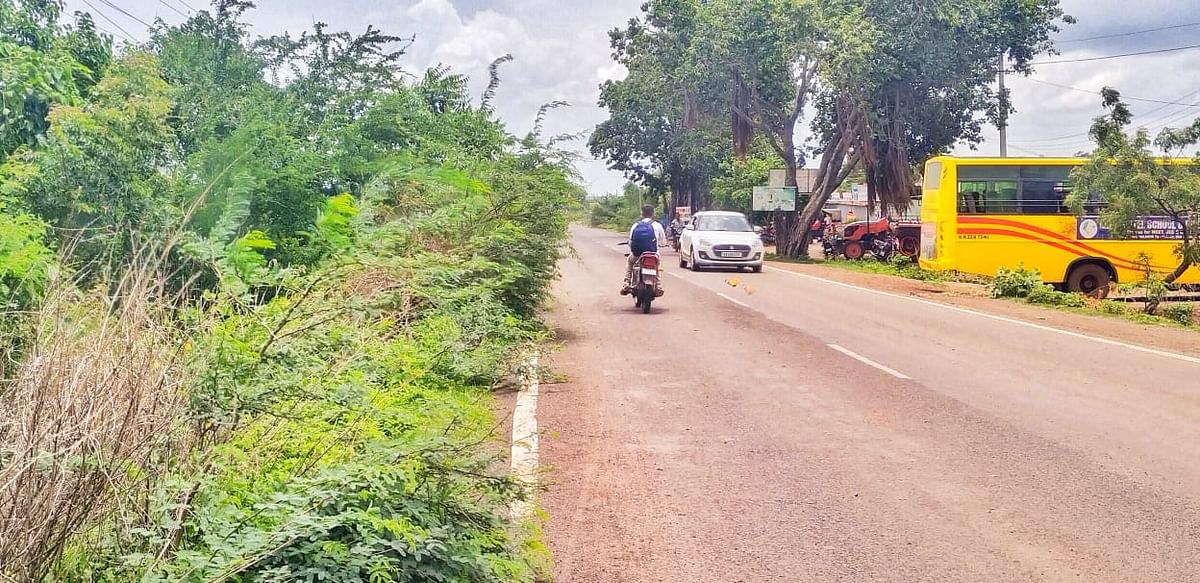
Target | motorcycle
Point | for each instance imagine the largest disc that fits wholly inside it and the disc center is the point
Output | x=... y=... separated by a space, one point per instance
x=644 y=287
x=676 y=232
x=766 y=233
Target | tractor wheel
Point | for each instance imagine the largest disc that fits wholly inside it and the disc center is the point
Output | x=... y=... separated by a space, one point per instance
x=854 y=250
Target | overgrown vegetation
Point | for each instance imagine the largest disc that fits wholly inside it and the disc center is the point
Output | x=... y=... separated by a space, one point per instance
x=1026 y=284
x=250 y=325
x=1017 y=282
x=899 y=266
x=618 y=211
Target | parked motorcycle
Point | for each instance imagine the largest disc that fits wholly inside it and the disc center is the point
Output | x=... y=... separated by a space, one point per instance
x=766 y=233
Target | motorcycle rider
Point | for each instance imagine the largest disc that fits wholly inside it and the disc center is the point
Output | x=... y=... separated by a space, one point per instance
x=676 y=230
x=644 y=237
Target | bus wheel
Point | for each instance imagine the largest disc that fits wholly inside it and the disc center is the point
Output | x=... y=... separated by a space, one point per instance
x=854 y=250
x=1089 y=279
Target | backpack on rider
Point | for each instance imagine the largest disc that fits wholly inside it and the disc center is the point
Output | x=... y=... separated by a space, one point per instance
x=643 y=239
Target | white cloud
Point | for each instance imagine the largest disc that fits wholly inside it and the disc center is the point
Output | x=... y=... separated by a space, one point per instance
x=611 y=72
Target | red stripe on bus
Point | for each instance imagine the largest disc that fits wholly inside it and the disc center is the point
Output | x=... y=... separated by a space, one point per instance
x=1059 y=236
x=1019 y=235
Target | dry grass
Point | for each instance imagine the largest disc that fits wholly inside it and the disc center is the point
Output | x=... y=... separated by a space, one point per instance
x=94 y=412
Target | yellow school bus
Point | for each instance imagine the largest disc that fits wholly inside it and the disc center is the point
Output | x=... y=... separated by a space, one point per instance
x=981 y=214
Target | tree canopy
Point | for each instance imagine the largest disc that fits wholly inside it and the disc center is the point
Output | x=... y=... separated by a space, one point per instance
x=1132 y=182
x=883 y=84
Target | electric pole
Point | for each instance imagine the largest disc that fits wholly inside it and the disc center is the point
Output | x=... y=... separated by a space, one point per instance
x=1003 y=111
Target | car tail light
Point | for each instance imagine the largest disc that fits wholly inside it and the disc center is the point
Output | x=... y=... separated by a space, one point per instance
x=650 y=261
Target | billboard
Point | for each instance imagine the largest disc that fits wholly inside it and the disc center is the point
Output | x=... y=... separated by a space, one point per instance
x=1143 y=228
x=767 y=198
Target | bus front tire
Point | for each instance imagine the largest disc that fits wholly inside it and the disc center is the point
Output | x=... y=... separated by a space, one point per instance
x=1089 y=279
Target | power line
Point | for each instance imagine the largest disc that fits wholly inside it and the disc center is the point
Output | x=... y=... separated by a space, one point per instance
x=177 y=11
x=126 y=13
x=1158 y=109
x=1161 y=121
x=1020 y=149
x=1094 y=92
x=1124 y=34
x=1083 y=138
x=188 y=6
x=1123 y=96
x=128 y=36
x=1106 y=57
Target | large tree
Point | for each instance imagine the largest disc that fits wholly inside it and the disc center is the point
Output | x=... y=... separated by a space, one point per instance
x=663 y=131
x=882 y=83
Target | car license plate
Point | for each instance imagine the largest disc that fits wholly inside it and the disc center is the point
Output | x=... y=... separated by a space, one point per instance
x=733 y=254
x=649 y=272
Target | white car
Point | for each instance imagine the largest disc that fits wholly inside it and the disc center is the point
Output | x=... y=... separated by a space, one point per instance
x=720 y=239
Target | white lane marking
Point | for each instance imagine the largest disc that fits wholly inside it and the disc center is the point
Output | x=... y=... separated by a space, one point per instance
x=525 y=438
x=742 y=304
x=869 y=362
x=1101 y=340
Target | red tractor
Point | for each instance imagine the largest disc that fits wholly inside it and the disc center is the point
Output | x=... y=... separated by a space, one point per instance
x=882 y=238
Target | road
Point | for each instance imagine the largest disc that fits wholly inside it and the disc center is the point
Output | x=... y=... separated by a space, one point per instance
x=814 y=431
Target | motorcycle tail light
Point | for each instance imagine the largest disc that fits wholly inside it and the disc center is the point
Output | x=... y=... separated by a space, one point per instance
x=650 y=262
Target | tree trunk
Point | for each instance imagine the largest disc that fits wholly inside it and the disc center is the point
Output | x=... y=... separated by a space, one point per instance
x=1187 y=252
x=830 y=175
x=689 y=189
x=785 y=221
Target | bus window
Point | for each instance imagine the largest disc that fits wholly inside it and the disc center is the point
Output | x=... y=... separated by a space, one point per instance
x=1043 y=189
x=988 y=189
x=987 y=197
x=1042 y=197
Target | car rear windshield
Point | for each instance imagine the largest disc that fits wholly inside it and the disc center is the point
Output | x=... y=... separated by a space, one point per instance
x=736 y=223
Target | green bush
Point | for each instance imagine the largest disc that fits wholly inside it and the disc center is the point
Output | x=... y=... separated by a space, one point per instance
x=25 y=264
x=1114 y=308
x=1179 y=313
x=1016 y=283
x=1045 y=294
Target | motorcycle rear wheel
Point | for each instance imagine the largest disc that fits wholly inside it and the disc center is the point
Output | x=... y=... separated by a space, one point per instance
x=645 y=297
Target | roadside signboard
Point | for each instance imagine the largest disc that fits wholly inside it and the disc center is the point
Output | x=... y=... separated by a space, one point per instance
x=767 y=198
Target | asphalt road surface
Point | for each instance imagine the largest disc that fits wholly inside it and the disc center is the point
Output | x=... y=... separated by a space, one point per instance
x=806 y=430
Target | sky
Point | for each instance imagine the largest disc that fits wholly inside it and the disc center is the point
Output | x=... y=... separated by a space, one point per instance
x=561 y=52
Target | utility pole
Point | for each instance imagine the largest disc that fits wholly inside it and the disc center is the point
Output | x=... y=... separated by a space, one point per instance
x=1003 y=112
